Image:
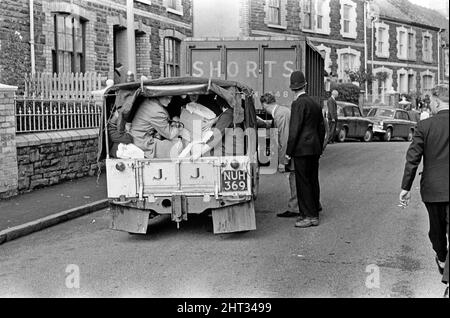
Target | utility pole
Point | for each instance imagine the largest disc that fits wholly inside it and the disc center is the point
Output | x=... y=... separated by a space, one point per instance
x=366 y=87
x=33 y=63
x=131 y=41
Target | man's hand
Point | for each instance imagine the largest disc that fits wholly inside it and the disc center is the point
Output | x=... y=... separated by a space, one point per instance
x=404 y=198
x=281 y=168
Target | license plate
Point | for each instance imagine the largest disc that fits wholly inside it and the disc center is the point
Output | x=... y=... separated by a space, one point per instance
x=234 y=180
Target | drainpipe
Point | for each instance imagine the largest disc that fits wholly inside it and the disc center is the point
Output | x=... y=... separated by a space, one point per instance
x=33 y=63
x=439 y=55
x=131 y=41
x=365 y=47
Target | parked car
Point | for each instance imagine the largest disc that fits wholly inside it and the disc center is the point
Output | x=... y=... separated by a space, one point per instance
x=352 y=124
x=366 y=110
x=392 y=122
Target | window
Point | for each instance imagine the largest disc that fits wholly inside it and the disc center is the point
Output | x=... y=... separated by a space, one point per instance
x=348 y=111
x=307 y=14
x=356 y=112
x=382 y=39
x=171 y=57
x=347 y=63
x=68 y=52
x=401 y=44
x=348 y=60
x=340 y=112
x=274 y=12
x=427 y=82
x=411 y=83
x=411 y=46
x=401 y=115
x=172 y=4
x=381 y=32
x=446 y=63
x=348 y=19
x=427 y=49
x=402 y=83
x=320 y=14
x=347 y=9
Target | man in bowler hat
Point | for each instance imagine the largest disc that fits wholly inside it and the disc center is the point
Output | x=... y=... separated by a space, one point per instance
x=305 y=145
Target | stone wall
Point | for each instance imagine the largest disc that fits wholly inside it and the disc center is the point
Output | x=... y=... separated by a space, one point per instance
x=45 y=159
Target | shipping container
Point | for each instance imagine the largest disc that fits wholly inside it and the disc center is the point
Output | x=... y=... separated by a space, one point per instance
x=263 y=63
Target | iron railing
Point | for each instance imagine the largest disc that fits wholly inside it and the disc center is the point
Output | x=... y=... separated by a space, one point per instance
x=48 y=114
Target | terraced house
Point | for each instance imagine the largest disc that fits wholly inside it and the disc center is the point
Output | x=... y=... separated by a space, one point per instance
x=94 y=36
x=66 y=49
x=407 y=40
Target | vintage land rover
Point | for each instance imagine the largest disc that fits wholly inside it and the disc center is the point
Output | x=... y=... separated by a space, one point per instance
x=140 y=189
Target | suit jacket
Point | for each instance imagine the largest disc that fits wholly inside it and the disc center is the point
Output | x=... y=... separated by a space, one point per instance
x=151 y=119
x=306 y=128
x=430 y=142
x=332 y=108
x=281 y=118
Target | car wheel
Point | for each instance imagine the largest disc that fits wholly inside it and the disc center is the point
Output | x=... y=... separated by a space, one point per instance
x=342 y=135
x=410 y=135
x=368 y=136
x=388 y=135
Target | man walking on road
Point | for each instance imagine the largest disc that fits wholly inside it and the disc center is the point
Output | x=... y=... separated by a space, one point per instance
x=281 y=116
x=332 y=115
x=431 y=141
x=305 y=145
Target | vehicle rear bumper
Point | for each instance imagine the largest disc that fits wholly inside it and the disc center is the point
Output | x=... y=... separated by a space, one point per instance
x=133 y=215
x=378 y=130
x=192 y=204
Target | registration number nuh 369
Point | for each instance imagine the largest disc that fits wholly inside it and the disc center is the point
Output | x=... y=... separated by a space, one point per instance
x=234 y=180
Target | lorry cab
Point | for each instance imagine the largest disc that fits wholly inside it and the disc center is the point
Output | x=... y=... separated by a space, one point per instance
x=222 y=181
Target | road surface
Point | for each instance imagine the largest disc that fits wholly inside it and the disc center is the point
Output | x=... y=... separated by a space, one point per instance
x=365 y=246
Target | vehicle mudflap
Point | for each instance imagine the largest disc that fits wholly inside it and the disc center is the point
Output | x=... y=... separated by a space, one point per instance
x=234 y=218
x=129 y=219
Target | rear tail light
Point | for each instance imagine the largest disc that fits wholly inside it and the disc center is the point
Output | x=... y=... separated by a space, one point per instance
x=120 y=166
x=235 y=164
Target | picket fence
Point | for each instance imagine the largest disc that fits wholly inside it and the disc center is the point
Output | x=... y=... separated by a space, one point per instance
x=62 y=85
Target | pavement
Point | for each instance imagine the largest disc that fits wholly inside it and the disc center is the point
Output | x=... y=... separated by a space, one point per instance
x=29 y=212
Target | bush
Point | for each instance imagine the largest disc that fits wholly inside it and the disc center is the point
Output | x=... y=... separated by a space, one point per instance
x=348 y=92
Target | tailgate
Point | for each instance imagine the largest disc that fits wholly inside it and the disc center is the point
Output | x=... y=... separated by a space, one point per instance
x=228 y=176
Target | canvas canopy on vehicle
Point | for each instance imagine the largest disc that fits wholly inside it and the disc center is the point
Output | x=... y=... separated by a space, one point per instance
x=124 y=99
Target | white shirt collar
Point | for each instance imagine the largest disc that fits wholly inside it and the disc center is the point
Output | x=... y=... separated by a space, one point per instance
x=274 y=109
x=299 y=94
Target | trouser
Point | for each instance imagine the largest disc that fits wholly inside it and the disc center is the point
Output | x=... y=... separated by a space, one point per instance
x=293 y=202
x=332 y=130
x=445 y=276
x=307 y=183
x=438 y=214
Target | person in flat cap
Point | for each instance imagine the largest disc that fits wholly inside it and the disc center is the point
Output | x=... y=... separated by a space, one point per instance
x=304 y=147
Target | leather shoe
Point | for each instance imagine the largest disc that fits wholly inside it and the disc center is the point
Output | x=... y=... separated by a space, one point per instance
x=440 y=269
x=288 y=214
x=307 y=222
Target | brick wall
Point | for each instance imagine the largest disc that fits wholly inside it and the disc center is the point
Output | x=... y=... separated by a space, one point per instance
x=8 y=161
x=14 y=14
x=45 y=159
x=416 y=66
